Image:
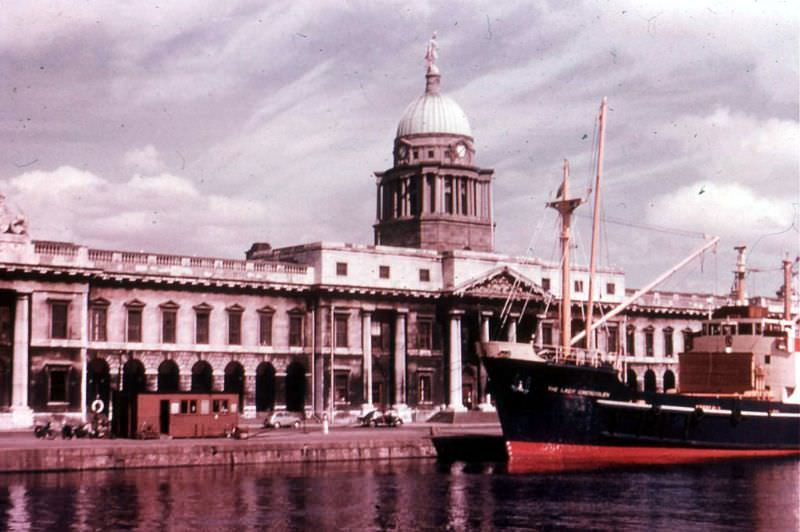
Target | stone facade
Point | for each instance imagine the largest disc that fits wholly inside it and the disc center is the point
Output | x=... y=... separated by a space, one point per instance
x=314 y=327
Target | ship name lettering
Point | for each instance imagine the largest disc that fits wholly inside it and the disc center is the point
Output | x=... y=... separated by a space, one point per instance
x=575 y=391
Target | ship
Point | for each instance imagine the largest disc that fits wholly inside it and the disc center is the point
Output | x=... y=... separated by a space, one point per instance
x=568 y=407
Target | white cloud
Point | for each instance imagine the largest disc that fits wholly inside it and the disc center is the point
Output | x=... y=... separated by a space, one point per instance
x=728 y=209
x=160 y=213
x=145 y=160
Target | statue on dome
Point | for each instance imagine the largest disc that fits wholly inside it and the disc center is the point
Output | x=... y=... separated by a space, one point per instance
x=432 y=52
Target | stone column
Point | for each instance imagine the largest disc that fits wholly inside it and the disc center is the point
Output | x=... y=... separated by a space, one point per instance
x=422 y=196
x=512 y=327
x=22 y=415
x=366 y=347
x=455 y=398
x=400 y=357
x=483 y=398
x=439 y=183
x=485 y=321
x=83 y=352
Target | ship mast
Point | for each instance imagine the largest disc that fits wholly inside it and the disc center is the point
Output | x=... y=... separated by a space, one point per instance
x=565 y=206
x=787 y=289
x=739 y=290
x=595 y=223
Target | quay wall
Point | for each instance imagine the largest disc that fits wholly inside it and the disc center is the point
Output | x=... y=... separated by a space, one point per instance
x=203 y=453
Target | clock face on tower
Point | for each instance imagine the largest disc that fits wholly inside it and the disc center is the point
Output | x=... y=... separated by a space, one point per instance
x=461 y=150
x=402 y=151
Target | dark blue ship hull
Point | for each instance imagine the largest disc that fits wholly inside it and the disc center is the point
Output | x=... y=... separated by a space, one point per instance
x=586 y=411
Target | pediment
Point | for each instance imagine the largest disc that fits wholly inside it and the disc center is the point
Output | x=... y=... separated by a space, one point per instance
x=501 y=282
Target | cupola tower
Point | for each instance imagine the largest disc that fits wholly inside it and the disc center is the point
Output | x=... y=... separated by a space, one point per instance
x=434 y=197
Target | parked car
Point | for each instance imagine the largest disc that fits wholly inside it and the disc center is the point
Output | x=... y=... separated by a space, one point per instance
x=377 y=418
x=284 y=418
x=367 y=419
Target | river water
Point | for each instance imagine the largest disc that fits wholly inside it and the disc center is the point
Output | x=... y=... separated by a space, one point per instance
x=408 y=495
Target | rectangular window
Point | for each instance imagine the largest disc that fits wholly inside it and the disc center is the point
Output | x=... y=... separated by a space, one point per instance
x=134 y=325
x=295 y=331
x=612 y=340
x=341 y=269
x=413 y=197
x=169 y=320
x=234 y=328
x=424 y=275
x=547 y=335
x=687 y=341
x=425 y=389
x=425 y=335
x=546 y=284
x=611 y=289
x=57 y=384
x=430 y=154
x=383 y=272
x=98 y=325
x=340 y=387
x=648 y=343
x=630 y=340
x=381 y=335
x=265 y=329
x=578 y=286
x=668 y=346
x=58 y=319
x=202 y=321
x=464 y=204
x=340 y=324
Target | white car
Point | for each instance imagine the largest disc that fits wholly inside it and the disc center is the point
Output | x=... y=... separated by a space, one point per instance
x=283 y=418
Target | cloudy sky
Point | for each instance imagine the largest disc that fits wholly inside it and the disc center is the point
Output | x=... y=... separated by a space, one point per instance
x=199 y=127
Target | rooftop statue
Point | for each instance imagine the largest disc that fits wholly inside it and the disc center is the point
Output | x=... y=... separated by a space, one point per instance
x=11 y=220
x=432 y=52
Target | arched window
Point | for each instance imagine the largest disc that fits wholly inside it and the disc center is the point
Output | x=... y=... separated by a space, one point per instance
x=133 y=377
x=631 y=380
x=295 y=387
x=649 y=381
x=98 y=382
x=265 y=387
x=234 y=381
x=669 y=380
x=202 y=377
x=168 y=376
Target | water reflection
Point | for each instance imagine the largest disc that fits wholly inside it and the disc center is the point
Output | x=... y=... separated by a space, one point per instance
x=408 y=495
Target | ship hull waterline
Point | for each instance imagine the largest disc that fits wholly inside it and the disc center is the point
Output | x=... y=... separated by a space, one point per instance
x=560 y=416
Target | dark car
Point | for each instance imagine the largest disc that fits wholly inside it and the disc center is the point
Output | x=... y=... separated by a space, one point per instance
x=367 y=419
x=376 y=418
x=284 y=418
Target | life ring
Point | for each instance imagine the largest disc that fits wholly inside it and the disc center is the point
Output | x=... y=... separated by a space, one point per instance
x=98 y=406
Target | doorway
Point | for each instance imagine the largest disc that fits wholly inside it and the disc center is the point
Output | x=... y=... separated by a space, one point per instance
x=163 y=416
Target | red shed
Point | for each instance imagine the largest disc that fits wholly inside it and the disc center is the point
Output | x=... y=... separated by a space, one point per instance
x=186 y=414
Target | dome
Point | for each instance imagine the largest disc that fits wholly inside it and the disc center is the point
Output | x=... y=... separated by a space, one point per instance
x=433 y=113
